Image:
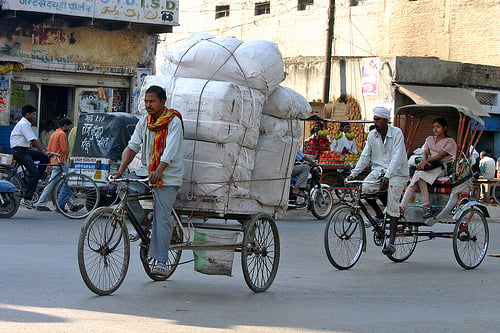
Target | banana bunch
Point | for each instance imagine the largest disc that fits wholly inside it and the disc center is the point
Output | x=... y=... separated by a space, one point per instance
x=351 y=158
x=350 y=136
x=7 y=67
x=338 y=135
x=323 y=133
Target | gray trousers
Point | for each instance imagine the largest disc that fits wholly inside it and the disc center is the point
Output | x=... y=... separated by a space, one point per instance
x=302 y=171
x=163 y=222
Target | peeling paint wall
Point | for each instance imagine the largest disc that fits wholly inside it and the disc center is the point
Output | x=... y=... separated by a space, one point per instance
x=54 y=44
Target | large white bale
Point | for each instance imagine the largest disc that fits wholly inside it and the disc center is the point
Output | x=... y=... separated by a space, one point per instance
x=221 y=132
x=214 y=180
x=285 y=102
x=281 y=127
x=217 y=170
x=256 y=64
x=205 y=100
x=228 y=155
x=274 y=160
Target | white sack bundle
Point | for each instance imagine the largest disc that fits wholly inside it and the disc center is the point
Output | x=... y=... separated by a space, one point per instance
x=203 y=100
x=274 y=160
x=285 y=102
x=228 y=155
x=256 y=64
x=215 y=180
x=220 y=170
x=221 y=132
x=281 y=127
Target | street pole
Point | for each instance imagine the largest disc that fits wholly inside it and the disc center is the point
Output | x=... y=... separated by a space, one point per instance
x=329 y=42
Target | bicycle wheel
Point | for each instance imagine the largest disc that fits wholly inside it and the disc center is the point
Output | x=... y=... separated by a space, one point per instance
x=322 y=203
x=260 y=252
x=495 y=193
x=174 y=256
x=9 y=204
x=470 y=238
x=76 y=195
x=103 y=251
x=406 y=242
x=344 y=238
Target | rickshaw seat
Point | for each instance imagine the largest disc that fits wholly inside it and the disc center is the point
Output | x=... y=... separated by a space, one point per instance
x=441 y=185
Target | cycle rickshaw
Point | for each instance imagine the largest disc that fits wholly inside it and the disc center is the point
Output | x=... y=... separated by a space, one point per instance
x=345 y=235
x=104 y=245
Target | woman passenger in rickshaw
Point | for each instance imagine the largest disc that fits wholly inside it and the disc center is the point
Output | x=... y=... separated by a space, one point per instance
x=439 y=150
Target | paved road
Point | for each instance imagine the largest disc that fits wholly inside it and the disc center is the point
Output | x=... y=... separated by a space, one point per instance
x=42 y=291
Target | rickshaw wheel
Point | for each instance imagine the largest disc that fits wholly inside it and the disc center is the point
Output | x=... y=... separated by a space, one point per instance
x=470 y=238
x=174 y=256
x=344 y=238
x=103 y=251
x=260 y=252
x=406 y=242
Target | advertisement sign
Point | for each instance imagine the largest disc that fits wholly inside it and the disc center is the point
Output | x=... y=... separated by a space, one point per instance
x=162 y=12
x=369 y=76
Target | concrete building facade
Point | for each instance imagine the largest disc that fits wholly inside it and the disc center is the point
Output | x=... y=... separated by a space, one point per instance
x=76 y=57
x=376 y=45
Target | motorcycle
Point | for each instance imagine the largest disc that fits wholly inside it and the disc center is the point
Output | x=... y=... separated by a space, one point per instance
x=9 y=199
x=317 y=197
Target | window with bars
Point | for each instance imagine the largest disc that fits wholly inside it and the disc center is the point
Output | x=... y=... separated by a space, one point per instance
x=304 y=4
x=262 y=8
x=487 y=98
x=221 y=11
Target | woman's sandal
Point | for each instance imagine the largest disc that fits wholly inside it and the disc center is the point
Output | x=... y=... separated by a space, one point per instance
x=427 y=213
x=160 y=268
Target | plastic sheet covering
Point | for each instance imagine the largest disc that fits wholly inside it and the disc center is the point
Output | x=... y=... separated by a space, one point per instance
x=103 y=134
x=214 y=262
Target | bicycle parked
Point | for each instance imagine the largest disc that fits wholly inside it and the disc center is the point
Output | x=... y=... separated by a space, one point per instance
x=75 y=195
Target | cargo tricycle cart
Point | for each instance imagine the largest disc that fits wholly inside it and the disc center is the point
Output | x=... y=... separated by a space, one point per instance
x=104 y=244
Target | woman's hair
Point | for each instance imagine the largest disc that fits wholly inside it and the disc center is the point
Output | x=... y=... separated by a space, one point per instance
x=444 y=123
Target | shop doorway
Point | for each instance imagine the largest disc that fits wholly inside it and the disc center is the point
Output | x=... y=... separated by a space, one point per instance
x=55 y=103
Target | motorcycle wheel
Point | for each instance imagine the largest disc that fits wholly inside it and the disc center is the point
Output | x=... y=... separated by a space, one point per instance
x=322 y=203
x=9 y=206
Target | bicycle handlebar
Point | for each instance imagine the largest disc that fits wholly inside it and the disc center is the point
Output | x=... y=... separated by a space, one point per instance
x=354 y=181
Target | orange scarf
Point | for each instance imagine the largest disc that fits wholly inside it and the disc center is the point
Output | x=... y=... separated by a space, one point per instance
x=160 y=127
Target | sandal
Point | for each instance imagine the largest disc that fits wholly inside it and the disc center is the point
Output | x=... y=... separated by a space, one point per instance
x=427 y=213
x=160 y=268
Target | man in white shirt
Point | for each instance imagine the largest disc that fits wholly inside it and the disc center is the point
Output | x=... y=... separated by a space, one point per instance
x=343 y=145
x=486 y=171
x=22 y=138
x=158 y=136
x=385 y=149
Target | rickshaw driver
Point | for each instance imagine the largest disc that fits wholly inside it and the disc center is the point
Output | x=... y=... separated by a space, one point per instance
x=159 y=137
x=385 y=148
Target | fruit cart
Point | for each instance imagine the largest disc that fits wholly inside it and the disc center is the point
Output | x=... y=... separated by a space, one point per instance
x=336 y=166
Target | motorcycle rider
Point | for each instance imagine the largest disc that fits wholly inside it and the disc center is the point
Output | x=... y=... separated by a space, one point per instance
x=301 y=170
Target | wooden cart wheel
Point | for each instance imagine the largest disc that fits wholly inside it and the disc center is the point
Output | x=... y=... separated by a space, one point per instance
x=260 y=252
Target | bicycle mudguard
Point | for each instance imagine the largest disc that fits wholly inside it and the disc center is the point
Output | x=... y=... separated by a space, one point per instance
x=6 y=186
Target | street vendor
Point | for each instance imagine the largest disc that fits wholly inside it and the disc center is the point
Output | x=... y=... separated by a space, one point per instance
x=318 y=142
x=344 y=142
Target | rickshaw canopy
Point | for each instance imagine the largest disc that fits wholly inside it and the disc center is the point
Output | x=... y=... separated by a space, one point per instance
x=447 y=111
